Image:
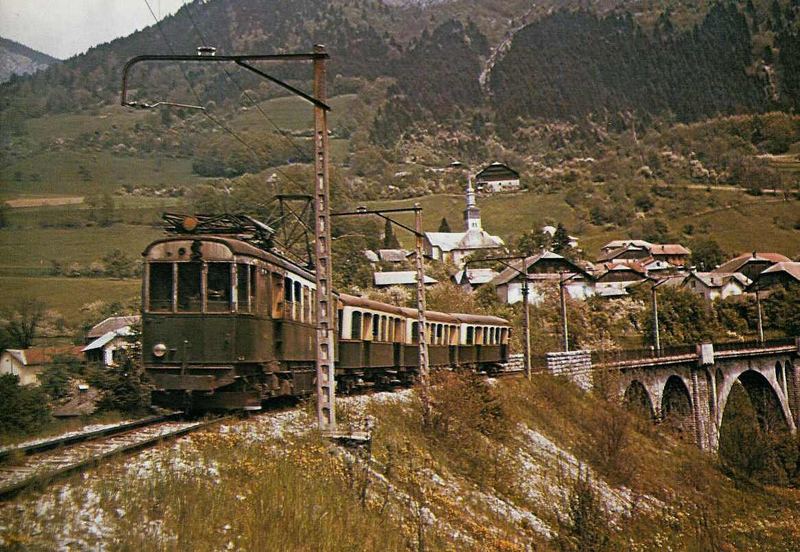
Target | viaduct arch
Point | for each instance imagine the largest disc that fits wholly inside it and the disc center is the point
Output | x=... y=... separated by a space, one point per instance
x=689 y=391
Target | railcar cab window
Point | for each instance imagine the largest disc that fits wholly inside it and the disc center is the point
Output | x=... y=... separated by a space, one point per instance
x=190 y=298
x=160 y=286
x=219 y=287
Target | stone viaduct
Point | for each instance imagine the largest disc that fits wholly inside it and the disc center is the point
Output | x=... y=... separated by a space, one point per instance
x=688 y=388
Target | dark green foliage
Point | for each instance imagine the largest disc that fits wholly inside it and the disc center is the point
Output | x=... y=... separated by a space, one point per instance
x=23 y=409
x=55 y=377
x=683 y=317
x=554 y=70
x=351 y=269
x=532 y=242
x=706 y=254
x=389 y=239
x=561 y=240
x=444 y=226
x=782 y=310
x=124 y=386
x=436 y=76
x=753 y=450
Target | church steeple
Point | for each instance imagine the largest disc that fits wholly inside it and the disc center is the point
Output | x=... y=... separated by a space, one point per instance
x=472 y=214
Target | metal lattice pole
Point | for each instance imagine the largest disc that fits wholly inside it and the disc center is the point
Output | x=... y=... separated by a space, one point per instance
x=326 y=384
x=526 y=326
x=422 y=332
x=565 y=327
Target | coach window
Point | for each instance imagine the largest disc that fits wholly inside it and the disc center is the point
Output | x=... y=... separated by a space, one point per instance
x=242 y=287
x=470 y=335
x=376 y=327
x=306 y=304
x=288 y=304
x=439 y=334
x=355 y=325
x=189 y=287
x=160 y=285
x=415 y=332
x=398 y=330
x=298 y=301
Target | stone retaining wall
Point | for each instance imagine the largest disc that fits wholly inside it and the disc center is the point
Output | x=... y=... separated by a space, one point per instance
x=576 y=365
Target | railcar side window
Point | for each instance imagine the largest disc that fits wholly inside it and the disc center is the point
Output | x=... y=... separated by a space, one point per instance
x=470 y=334
x=189 y=295
x=242 y=287
x=253 y=286
x=160 y=285
x=415 y=332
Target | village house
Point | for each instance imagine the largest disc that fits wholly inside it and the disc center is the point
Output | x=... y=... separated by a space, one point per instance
x=28 y=364
x=751 y=264
x=716 y=285
x=780 y=274
x=617 y=244
x=672 y=253
x=456 y=246
x=543 y=271
x=107 y=340
x=399 y=278
x=497 y=177
x=613 y=279
x=471 y=279
x=638 y=250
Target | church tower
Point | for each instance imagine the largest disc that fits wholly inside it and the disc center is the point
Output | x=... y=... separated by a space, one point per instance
x=472 y=214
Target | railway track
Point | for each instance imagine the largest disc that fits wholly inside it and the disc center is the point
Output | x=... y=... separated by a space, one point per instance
x=59 y=458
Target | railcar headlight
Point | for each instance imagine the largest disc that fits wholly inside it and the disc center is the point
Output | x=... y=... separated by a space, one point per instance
x=159 y=350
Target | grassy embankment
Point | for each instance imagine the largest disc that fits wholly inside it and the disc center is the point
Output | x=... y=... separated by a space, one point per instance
x=498 y=470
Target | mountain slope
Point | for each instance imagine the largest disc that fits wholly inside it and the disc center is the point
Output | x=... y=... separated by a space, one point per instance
x=18 y=59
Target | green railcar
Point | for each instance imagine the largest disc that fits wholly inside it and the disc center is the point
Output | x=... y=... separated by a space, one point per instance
x=227 y=324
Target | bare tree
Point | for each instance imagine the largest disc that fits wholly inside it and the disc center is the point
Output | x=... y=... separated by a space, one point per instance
x=22 y=323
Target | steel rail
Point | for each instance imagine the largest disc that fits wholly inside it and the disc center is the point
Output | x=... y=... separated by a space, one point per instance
x=42 y=478
x=57 y=442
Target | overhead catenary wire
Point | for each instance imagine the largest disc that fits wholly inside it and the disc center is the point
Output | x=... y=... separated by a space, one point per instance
x=244 y=92
x=252 y=149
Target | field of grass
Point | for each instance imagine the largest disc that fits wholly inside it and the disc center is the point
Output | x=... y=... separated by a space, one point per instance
x=66 y=295
x=67 y=126
x=763 y=223
x=34 y=248
x=58 y=173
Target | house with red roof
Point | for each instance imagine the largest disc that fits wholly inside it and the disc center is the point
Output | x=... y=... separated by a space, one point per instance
x=28 y=364
x=751 y=264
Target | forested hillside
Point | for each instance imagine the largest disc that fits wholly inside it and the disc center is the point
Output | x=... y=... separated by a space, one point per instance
x=574 y=64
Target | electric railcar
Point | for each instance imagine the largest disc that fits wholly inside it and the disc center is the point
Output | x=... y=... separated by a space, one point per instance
x=227 y=324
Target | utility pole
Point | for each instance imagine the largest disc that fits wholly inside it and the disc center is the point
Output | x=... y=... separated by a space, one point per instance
x=424 y=367
x=564 y=327
x=526 y=322
x=760 y=316
x=656 y=337
x=326 y=383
